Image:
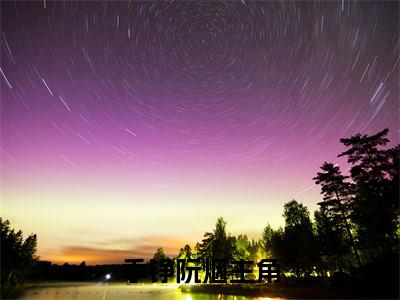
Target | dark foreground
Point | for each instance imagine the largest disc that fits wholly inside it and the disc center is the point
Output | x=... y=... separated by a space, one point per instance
x=122 y=291
x=292 y=292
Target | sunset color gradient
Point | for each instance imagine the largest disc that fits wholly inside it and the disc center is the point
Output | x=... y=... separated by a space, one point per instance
x=127 y=126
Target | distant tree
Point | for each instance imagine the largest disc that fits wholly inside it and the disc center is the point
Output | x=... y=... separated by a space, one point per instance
x=159 y=255
x=276 y=247
x=204 y=249
x=17 y=257
x=336 y=205
x=242 y=248
x=295 y=245
x=299 y=248
x=375 y=173
x=267 y=240
x=332 y=242
x=224 y=243
x=256 y=250
x=250 y=250
x=185 y=252
x=218 y=244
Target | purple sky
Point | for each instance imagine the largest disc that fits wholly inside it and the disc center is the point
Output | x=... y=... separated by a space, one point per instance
x=125 y=121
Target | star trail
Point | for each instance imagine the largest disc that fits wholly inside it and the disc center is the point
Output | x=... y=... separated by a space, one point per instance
x=123 y=120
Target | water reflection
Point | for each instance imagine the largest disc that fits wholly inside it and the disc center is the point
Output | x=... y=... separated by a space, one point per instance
x=80 y=291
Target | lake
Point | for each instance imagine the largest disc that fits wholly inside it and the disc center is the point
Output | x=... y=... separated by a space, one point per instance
x=100 y=291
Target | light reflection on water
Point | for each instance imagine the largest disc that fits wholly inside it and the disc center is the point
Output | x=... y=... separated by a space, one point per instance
x=92 y=291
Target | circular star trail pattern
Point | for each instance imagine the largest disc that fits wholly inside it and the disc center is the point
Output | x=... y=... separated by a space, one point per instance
x=174 y=94
x=215 y=82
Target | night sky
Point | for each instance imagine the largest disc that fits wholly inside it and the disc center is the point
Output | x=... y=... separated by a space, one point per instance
x=132 y=125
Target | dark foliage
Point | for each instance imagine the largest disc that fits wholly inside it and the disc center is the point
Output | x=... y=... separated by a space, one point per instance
x=17 y=258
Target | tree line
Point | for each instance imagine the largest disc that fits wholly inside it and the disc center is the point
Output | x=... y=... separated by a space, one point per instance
x=356 y=224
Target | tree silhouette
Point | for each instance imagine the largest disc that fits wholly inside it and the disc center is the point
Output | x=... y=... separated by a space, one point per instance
x=17 y=257
x=185 y=252
x=337 y=196
x=275 y=245
x=218 y=244
x=375 y=173
x=299 y=239
x=267 y=240
x=332 y=241
x=242 y=248
x=159 y=255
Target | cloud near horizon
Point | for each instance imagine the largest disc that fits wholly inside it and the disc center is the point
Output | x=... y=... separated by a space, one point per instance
x=114 y=253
